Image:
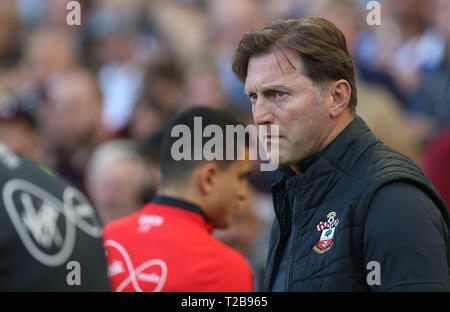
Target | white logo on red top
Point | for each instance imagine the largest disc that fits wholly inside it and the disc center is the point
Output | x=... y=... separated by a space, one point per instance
x=152 y=273
x=115 y=268
x=146 y=222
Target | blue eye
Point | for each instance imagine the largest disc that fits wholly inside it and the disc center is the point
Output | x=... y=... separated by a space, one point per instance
x=281 y=93
x=253 y=97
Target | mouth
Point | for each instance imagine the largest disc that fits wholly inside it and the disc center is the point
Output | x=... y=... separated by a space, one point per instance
x=272 y=138
x=269 y=134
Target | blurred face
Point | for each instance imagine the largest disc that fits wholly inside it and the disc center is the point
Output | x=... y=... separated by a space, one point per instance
x=74 y=110
x=442 y=12
x=409 y=10
x=144 y=122
x=282 y=96
x=49 y=52
x=229 y=192
x=203 y=88
x=234 y=17
x=20 y=137
x=116 y=192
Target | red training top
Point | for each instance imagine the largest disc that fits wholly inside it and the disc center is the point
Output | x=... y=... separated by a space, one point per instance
x=168 y=246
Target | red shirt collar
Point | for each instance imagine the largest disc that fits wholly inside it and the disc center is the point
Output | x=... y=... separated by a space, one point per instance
x=184 y=205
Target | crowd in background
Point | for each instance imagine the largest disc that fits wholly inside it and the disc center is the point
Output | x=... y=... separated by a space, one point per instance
x=91 y=101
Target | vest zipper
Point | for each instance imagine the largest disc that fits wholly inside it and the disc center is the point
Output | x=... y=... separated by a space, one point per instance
x=291 y=252
x=276 y=254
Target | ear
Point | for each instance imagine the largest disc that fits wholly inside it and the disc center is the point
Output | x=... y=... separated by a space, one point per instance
x=206 y=177
x=340 y=97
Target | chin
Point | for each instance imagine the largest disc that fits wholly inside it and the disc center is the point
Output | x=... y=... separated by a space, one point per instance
x=289 y=160
x=285 y=162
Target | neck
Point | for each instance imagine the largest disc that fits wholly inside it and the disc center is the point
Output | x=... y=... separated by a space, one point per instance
x=336 y=128
x=186 y=195
x=344 y=120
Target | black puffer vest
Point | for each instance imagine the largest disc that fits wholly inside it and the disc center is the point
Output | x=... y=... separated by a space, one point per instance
x=343 y=179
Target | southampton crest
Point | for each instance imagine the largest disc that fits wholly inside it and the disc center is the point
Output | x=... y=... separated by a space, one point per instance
x=327 y=228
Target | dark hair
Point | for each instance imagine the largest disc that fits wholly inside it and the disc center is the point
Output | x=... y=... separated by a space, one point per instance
x=321 y=46
x=176 y=171
x=13 y=108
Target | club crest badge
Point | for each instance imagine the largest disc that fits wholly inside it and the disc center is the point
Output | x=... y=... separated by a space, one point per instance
x=327 y=228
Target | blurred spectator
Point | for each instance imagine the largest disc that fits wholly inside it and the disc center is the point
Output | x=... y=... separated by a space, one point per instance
x=430 y=101
x=163 y=88
x=396 y=54
x=56 y=13
x=384 y=115
x=18 y=127
x=31 y=12
x=45 y=53
x=112 y=33
x=49 y=51
x=437 y=164
x=274 y=9
x=71 y=124
x=202 y=85
x=116 y=178
x=182 y=25
x=146 y=120
x=227 y=21
x=379 y=108
x=10 y=34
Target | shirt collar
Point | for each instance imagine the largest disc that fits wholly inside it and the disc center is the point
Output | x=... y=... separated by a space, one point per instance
x=179 y=203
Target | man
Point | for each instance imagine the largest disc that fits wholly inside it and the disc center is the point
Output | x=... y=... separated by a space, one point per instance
x=71 y=123
x=351 y=213
x=50 y=238
x=168 y=246
x=18 y=127
x=116 y=177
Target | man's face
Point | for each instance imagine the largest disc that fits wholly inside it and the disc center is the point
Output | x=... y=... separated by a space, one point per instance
x=230 y=192
x=282 y=96
x=74 y=112
x=115 y=191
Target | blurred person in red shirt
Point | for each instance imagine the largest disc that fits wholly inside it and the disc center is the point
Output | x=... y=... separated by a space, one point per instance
x=168 y=246
x=437 y=165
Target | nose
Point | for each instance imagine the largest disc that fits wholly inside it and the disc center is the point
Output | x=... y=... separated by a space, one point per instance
x=243 y=191
x=242 y=196
x=262 y=114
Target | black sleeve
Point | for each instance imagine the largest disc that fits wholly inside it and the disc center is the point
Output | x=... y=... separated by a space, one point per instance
x=407 y=235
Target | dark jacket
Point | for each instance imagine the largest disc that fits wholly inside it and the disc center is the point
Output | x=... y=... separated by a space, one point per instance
x=50 y=235
x=322 y=212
